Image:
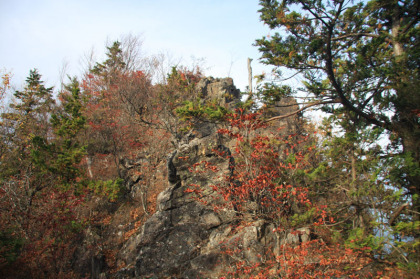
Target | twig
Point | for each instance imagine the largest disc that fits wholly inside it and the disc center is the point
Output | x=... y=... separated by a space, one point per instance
x=301 y=109
x=396 y=214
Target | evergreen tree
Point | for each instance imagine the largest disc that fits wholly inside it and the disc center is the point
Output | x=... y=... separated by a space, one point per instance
x=40 y=181
x=362 y=55
x=28 y=118
x=36 y=97
x=21 y=181
x=30 y=112
x=359 y=60
x=62 y=155
x=112 y=66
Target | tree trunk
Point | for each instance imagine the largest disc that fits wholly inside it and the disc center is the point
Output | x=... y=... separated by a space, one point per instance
x=249 y=76
x=406 y=123
x=89 y=166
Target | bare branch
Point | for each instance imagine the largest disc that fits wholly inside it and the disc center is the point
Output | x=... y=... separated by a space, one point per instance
x=302 y=109
x=351 y=35
x=397 y=213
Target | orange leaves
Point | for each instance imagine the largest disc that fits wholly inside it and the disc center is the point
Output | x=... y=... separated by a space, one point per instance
x=131 y=232
x=202 y=167
x=245 y=121
x=183 y=158
x=138 y=75
x=5 y=84
x=316 y=259
x=262 y=185
x=190 y=190
x=259 y=170
x=51 y=227
x=311 y=259
x=292 y=53
x=184 y=79
x=197 y=191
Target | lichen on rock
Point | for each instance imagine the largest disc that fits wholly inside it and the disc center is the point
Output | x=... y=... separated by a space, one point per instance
x=187 y=237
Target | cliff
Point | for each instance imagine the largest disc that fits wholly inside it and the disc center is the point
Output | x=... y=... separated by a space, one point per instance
x=186 y=237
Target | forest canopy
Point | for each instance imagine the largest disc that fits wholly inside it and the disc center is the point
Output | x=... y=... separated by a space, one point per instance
x=75 y=160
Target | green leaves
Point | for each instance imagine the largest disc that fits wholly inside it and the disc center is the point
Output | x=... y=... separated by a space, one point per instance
x=113 y=64
x=111 y=189
x=360 y=240
x=365 y=55
x=195 y=109
x=62 y=156
x=70 y=121
x=36 y=97
x=10 y=246
x=271 y=93
x=346 y=44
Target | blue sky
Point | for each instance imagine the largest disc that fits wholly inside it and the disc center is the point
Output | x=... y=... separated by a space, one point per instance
x=45 y=34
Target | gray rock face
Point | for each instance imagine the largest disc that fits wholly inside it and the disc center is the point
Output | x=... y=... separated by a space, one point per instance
x=127 y=170
x=286 y=106
x=171 y=240
x=187 y=238
x=221 y=89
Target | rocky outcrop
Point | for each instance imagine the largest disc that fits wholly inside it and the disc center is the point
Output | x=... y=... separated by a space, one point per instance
x=287 y=106
x=186 y=237
x=175 y=235
x=221 y=89
x=127 y=171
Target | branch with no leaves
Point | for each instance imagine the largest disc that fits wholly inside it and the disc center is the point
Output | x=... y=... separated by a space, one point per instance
x=302 y=109
x=396 y=214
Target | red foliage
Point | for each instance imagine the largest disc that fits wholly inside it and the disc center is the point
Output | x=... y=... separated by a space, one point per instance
x=49 y=229
x=258 y=171
x=262 y=175
x=110 y=104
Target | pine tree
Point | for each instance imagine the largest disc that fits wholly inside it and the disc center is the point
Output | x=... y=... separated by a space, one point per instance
x=112 y=66
x=359 y=62
x=62 y=155
x=28 y=118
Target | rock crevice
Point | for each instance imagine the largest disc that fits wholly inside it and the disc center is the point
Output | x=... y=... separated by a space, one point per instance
x=187 y=238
